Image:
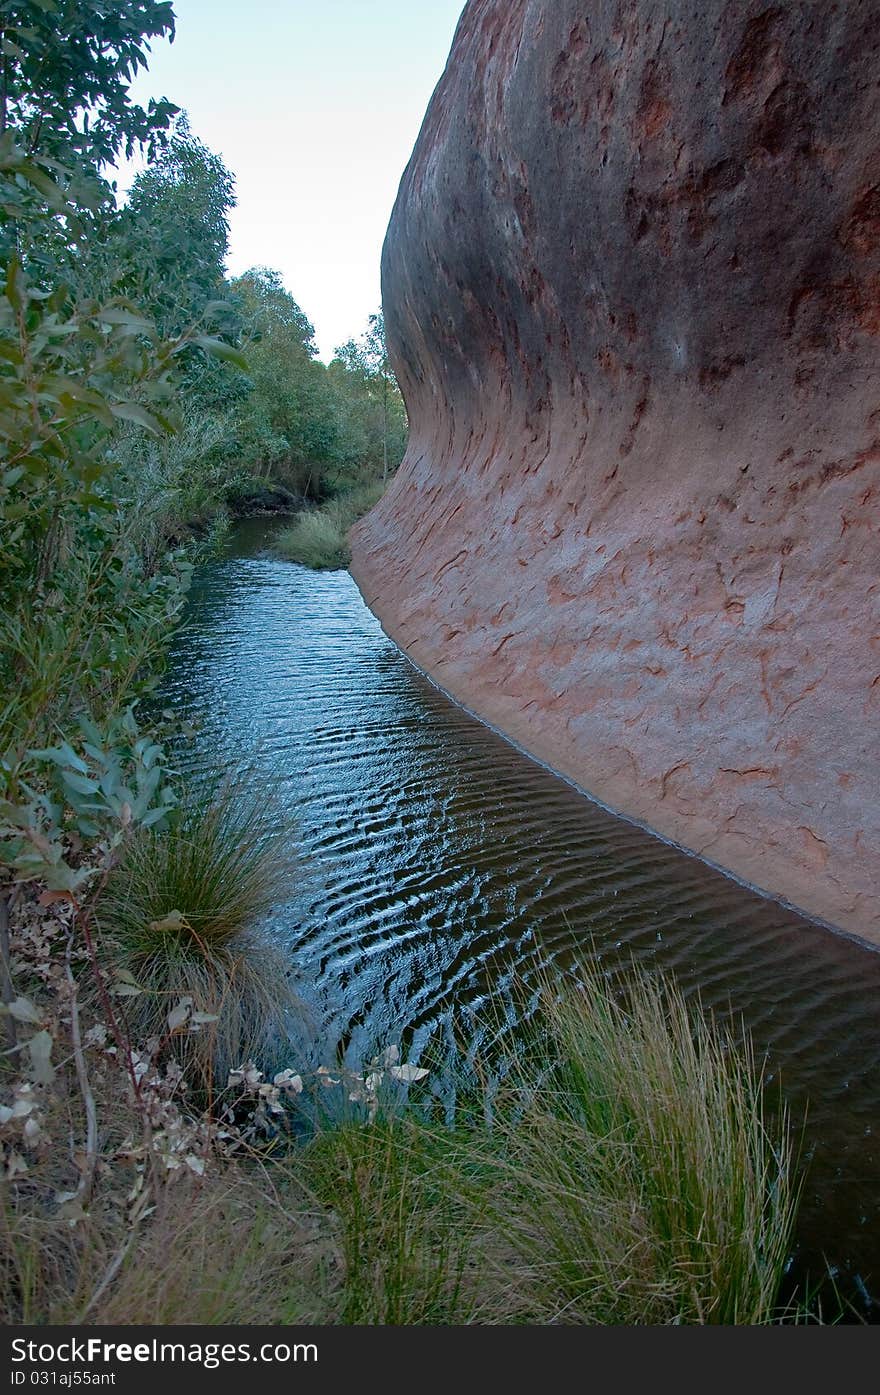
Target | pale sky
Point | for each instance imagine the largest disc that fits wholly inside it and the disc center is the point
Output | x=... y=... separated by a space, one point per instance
x=315 y=106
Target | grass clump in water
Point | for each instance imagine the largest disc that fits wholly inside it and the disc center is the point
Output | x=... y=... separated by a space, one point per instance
x=643 y=1183
x=640 y=1181
x=319 y=538
x=178 y=915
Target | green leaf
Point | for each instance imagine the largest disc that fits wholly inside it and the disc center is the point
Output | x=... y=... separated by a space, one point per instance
x=127 y=319
x=133 y=411
x=14 y=290
x=46 y=186
x=63 y=389
x=217 y=348
x=79 y=784
x=61 y=877
x=62 y=755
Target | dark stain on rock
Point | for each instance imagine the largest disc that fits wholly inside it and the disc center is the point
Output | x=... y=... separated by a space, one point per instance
x=754 y=54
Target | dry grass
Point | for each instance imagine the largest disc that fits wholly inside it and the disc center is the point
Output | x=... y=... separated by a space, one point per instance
x=228 y=1249
x=232 y=1251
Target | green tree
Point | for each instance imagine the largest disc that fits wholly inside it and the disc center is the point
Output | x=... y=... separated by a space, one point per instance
x=364 y=376
x=290 y=427
x=66 y=68
x=65 y=73
x=172 y=237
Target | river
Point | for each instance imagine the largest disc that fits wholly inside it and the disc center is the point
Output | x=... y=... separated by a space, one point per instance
x=440 y=868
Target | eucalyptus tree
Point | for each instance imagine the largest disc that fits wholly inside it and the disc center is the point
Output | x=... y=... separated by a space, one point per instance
x=66 y=68
x=369 y=383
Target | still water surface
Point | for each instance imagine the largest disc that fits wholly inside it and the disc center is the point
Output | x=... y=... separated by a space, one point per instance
x=440 y=867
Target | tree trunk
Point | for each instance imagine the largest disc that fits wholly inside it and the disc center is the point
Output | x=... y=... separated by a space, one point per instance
x=6 y=990
x=384 y=425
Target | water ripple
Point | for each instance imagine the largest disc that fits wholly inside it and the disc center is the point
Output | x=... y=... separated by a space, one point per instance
x=439 y=867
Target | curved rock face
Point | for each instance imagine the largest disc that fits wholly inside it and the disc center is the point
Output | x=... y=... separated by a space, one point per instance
x=632 y=292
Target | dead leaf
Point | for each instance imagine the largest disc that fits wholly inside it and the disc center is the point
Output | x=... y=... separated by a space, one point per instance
x=49 y=898
x=23 y=1010
x=408 y=1072
x=286 y=1080
x=199 y=1019
x=40 y=1049
x=179 y=1015
x=174 y=920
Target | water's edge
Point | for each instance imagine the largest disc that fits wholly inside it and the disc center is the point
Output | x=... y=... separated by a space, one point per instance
x=609 y=808
x=442 y=869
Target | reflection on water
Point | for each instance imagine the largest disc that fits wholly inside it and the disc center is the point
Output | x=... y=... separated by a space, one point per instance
x=440 y=866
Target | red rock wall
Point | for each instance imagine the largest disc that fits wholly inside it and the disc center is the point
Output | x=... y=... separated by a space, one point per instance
x=632 y=290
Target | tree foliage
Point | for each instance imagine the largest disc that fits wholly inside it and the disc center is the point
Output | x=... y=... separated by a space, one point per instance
x=140 y=389
x=173 y=234
x=65 y=71
x=363 y=375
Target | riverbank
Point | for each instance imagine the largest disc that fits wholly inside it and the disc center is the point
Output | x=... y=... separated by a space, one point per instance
x=436 y=871
x=318 y=537
x=629 y=1173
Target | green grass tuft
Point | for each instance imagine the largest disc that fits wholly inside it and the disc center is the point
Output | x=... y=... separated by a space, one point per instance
x=314 y=540
x=638 y=1182
x=318 y=538
x=406 y=1236
x=178 y=915
x=644 y=1183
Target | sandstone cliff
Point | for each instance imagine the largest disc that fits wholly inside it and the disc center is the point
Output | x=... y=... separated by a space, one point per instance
x=632 y=291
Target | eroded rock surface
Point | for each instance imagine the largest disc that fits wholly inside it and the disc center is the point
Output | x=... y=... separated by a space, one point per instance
x=632 y=290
